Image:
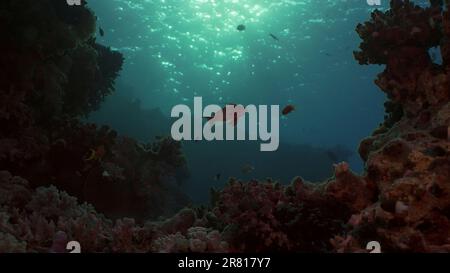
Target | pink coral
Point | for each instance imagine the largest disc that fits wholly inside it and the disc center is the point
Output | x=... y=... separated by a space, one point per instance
x=197 y=240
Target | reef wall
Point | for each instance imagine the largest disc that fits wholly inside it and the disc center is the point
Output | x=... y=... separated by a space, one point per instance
x=402 y=200
x=53 y=74
x=408 y=157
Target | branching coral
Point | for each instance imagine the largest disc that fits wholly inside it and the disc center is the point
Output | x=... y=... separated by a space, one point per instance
x=45 y=219
x=267 y=216
x=197 y=240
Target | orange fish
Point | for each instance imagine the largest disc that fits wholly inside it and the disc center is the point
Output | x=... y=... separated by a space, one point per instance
x=223 y=116
x=96 y=154
x=288 y=109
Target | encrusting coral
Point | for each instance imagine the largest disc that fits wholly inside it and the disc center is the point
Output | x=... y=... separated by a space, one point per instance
x=409 y=161
x=402 y=200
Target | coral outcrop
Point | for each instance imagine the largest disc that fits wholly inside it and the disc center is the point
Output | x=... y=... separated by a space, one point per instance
x=54 y=73
x=408 y=157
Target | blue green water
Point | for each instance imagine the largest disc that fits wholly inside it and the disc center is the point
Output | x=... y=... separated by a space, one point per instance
x=176 y=50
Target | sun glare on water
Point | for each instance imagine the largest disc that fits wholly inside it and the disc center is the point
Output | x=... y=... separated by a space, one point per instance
x=203 y=34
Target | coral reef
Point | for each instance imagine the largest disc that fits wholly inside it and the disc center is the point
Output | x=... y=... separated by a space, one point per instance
x=408 y=158
x=55 y=167
x=54 y=73
x=197 y=240
x=402 y=199
x=265 y=216
x=45 y=219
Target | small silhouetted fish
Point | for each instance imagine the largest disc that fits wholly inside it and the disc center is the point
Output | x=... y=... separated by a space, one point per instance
x=241 y=27
x=96 y=154
x=101 y=31
x=217 y=177
x=247 y=168
x=288 y=109
x=274 y=37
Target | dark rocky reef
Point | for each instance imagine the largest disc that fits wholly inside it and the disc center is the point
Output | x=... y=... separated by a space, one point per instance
x=53 y=74
x=128 y=117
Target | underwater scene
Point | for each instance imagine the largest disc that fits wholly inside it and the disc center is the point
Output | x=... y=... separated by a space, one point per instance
x=224 y=126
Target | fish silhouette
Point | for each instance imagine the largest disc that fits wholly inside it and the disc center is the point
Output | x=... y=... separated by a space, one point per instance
x=241 y=27
x=274 y=37
x=232 y=117
x=288 y=109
